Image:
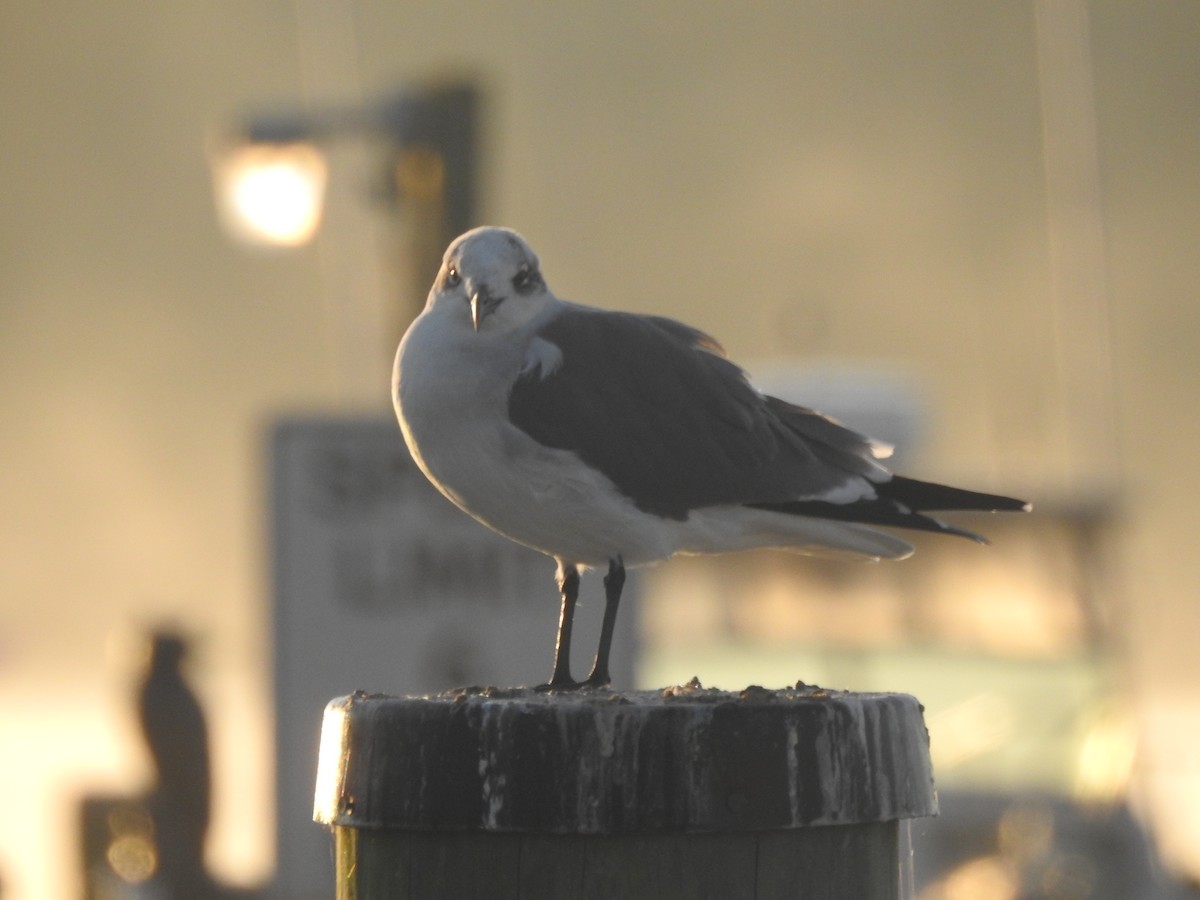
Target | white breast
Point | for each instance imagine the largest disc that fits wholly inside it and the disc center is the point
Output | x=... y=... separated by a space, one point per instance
x=450 y=389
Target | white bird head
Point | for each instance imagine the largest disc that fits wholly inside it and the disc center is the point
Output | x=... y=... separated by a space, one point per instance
x=491 y=279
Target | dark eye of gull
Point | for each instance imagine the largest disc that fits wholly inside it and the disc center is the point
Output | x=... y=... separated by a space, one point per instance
x=525 y=280
x=452 y=277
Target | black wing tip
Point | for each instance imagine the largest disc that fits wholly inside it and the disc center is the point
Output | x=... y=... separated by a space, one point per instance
x=1007 y=504
x=964 y=533
x=929 y=495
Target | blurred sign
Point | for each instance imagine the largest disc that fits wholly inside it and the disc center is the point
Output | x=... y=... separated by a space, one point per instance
x=382 y=585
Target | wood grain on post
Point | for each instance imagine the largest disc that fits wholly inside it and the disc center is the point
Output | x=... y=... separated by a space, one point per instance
x=679 y=793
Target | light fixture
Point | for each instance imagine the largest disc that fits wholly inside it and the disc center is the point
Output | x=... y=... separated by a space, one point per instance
x=271 y=194
x=269 y=172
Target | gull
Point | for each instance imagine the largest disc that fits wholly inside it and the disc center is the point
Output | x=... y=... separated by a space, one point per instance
x=612 y=439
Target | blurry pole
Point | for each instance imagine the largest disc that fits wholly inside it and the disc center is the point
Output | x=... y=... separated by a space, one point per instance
x=1087 y=388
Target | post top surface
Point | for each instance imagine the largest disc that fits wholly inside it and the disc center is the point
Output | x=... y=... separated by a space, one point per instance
x=685 y=758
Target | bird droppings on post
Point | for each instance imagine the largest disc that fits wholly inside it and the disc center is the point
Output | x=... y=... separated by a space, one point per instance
x=681 y=759
x=690 y=691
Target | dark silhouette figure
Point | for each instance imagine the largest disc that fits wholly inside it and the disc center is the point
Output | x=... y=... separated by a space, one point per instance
x=177 y=736
x=152 y=844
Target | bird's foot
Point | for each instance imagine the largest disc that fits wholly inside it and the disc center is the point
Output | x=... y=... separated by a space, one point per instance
x=561 y=680
x=598 y=679
x=558 y=687
x=565 y=685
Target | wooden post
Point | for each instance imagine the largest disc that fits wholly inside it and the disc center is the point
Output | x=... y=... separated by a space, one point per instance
x=683 y=793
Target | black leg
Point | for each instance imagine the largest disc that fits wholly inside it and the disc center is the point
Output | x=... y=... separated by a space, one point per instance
x=614 y=582
x=568 y=584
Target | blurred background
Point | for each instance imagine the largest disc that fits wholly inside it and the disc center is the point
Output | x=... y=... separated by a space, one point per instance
x=967 y=227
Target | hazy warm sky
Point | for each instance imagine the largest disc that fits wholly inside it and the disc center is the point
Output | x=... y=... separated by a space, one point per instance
x=869 y=183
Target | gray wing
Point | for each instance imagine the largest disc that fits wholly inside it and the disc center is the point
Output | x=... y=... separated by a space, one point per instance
x=653 y=405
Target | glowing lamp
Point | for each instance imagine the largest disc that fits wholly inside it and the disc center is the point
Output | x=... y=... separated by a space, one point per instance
x=271 y=194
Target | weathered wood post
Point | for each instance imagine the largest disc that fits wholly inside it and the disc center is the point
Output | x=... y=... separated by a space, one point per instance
x=683 y=793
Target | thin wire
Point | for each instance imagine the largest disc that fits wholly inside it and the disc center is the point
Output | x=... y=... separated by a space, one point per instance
x=353 y=280
x=1086 y=410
